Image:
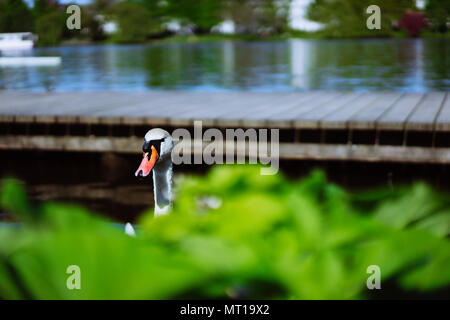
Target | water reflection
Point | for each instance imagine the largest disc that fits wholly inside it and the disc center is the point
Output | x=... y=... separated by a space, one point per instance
x=302 y=62
x=414 y=65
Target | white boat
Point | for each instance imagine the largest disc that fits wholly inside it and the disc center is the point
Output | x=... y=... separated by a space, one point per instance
x=29 y=61
x=17 y=41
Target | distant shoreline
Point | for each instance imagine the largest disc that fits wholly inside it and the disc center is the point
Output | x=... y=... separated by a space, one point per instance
x=249 y=38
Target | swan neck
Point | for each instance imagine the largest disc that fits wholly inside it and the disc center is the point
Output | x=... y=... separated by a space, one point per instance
x=162 y=184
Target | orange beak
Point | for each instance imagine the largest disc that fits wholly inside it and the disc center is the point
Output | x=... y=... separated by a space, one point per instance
x=146 y=164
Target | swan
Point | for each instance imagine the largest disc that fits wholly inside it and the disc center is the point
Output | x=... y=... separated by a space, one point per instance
x=157 y=155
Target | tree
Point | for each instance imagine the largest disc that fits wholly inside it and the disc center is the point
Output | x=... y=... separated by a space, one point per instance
x=49 y=28
x=204 y=14
x=159 y=12
x=91 y=24
x=42 y=7
x=438 y=12
x=258 y=16
x=15 y=16
x=134 y=22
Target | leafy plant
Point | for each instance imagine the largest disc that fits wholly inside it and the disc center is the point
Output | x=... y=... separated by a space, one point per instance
x=232 y=234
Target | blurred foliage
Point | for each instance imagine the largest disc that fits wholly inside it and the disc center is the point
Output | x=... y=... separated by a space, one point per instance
x=261 y=17
x=134 y=23
x=204 y=14
x=50 y=28
x=42 y=7
x=15 y=16
x=141 y=20
x=413 y=22
x=438 y=12
x=45 y=19
x=91 y=24
x=232 y=234
x=257 y=17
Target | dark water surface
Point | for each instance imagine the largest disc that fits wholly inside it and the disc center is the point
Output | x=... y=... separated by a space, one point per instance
x=105 y=183
x=413 y=65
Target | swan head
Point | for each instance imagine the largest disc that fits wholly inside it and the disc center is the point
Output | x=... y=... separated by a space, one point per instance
x=157 y=148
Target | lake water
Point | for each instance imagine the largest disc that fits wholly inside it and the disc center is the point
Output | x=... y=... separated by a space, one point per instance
x=413 y=65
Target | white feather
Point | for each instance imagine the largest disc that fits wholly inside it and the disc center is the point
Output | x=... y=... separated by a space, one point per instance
x=129 y=230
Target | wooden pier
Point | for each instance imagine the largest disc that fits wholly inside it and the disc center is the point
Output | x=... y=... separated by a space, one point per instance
x=361 y=126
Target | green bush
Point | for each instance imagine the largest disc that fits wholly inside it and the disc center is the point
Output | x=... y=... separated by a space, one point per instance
x=49 y=28
x=232 y=234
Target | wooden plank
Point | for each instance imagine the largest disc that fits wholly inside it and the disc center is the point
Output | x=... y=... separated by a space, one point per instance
x=69 y=143
x=152 y=110
x=388 y=111
x=11 y=100
x=253 y=113
x=273 y=103
x=264 y=116
x=185 y=103
x=310 y=119
x=24 y=119
x=99 y=103
x=142 y=105
x=157 y=112
x=208 y=111
x=395 y=117
x=366 y=153
x=132 y=111
x=98 y=109
x=43 y=106
x=230 y=115
x=286 y=119
x=25 y=106
x=443 y=119
x=366 y=119
x=424 y=116
x=340 y=118
x=208 y=104
x=6 y=118
x=307 y=151
x=64 y=107
x=186 y=114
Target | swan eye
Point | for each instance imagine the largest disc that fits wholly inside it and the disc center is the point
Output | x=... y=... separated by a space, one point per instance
x=147 y=147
